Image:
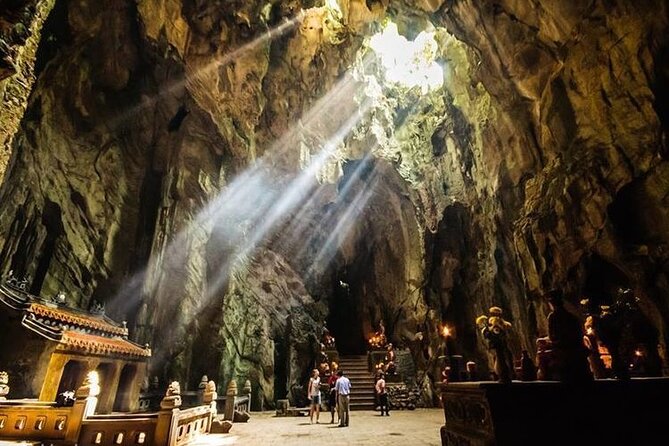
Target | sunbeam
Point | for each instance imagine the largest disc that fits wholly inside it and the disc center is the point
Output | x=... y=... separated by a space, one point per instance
x=201 y=72
x=255 y=202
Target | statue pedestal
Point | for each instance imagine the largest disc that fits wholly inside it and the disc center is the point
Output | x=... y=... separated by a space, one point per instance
x=552 y=413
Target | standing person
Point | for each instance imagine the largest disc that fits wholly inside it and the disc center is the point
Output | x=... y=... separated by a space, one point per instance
x=332 y=400
x=343 y=388
x=383 y=395
x=566 y=336
x=314 y=395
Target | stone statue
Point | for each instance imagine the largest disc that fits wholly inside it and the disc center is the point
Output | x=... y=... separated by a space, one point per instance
x=65 y=399
x=4 y=385
x=87 y=394
x=378 y=340
x=495 y=330
x=592 y=341
x=96 y=308
x=566 y=337
x=210 y=393
x=90 y=387
x=23 y=283
x=172 y=397
x=15 y=282
x=390 y=360
x=12 y=280
x=323 y=363
x=612 y=325
x=60 y=298
x=328 y=340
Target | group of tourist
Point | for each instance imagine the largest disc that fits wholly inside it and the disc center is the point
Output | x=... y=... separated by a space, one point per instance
x=339 y=397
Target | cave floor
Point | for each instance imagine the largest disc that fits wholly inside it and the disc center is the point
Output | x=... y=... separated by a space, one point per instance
x=418 y=427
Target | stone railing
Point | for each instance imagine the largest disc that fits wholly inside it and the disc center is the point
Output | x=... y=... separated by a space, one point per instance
x=150 y=401
x=234 y=403
x=32 y=421
x=123 y=429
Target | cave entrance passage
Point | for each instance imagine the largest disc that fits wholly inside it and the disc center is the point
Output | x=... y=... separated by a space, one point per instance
x=345 y=322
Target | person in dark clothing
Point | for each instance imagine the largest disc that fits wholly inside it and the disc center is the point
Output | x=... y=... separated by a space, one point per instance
x=382 y=394
x=332 y=400
x=566 y=337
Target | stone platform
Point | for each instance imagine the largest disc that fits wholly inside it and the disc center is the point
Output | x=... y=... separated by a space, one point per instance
x=608 y=412
x=407 y=428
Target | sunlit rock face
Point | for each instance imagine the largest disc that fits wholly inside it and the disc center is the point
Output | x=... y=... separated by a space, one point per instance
x=540 y=163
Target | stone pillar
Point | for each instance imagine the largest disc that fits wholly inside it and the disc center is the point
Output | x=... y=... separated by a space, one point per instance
x=131 y=400
x=110 y=387
x=209 y=397
x=52 y=378
x=168 y=415
x=201 y=389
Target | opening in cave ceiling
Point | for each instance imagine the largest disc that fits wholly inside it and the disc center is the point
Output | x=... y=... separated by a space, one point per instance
x=408 y=63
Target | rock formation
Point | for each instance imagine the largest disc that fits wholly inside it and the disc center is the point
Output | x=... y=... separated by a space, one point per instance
x=541 y=163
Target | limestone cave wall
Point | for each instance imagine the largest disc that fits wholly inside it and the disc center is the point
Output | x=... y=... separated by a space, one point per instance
x=160 y=138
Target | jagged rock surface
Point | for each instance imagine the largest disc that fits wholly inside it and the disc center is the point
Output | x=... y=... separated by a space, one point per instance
x=541 y=163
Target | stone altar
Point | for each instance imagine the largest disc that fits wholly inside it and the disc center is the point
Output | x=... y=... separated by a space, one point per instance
x=603 y=412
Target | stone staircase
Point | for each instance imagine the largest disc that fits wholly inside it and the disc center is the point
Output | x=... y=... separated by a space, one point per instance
x=362 y=381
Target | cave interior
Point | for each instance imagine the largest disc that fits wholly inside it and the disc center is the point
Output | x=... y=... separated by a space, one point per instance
x=226 y=181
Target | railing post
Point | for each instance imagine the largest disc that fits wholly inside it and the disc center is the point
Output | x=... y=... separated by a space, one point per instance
x=247 y=391
x=84 y=406
x=4 y=385
x=168 y=415
x=230 y=395
x=202 y=388
x=209 y=397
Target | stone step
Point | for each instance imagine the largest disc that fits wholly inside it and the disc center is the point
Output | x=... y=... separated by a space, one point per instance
x=363 y=406
x=363 y=391
x=362 y=398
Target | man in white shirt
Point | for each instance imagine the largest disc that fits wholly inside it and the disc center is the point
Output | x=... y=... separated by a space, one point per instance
x=343 y=388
